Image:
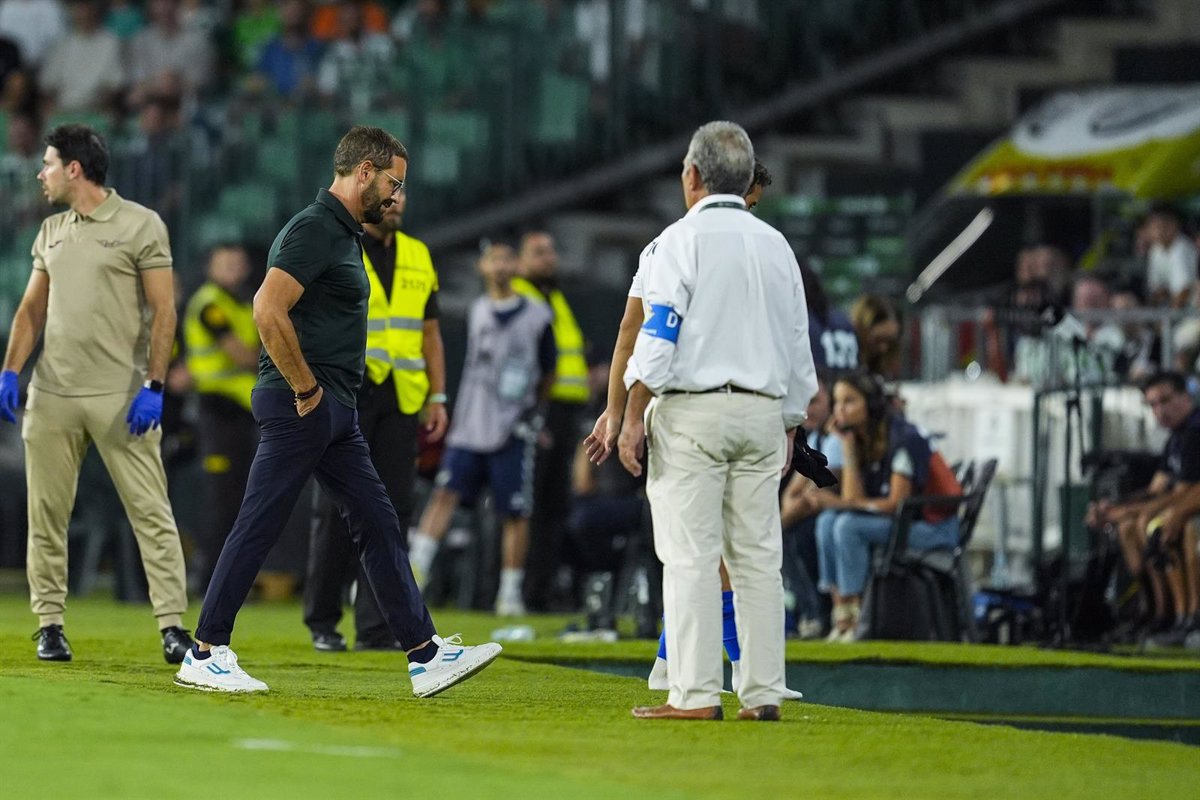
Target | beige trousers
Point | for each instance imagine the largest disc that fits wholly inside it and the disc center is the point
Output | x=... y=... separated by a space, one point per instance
x=57 y=431
x=713 y=481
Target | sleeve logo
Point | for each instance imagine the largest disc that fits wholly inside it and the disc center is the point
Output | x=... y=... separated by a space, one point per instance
x=663 y=323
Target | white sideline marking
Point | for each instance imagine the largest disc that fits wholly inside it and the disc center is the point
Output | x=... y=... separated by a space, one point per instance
x=350 y=751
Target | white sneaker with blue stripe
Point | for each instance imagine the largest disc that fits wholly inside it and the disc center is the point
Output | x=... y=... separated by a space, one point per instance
x=454 y=663
x=217 y=673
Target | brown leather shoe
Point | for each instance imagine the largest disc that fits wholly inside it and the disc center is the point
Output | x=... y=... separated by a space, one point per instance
x=667 y=711
x=760 y=713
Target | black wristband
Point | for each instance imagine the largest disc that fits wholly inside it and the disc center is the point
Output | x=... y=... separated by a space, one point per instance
x=307 y=394
x=154 y=386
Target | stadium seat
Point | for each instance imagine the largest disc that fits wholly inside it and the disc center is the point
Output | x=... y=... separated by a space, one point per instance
x=562 y=109
x=464 y=129
x=253 y=207
x=397 y=123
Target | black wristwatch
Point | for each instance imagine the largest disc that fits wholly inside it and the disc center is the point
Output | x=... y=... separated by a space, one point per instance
x=154 y=386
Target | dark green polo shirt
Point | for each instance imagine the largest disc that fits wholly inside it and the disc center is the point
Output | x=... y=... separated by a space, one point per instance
x=320 y=248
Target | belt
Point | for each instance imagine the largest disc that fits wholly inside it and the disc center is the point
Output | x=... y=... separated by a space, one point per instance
x=727 y=388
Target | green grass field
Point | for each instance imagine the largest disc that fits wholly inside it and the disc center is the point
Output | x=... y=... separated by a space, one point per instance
x=111 y=724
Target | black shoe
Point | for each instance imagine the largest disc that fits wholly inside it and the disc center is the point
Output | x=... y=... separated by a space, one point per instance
x=377 y=644
x=329 y=642
x=175 y=641
x=52 y=644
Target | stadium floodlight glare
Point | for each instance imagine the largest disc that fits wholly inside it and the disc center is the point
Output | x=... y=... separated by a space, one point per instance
x=952 y=253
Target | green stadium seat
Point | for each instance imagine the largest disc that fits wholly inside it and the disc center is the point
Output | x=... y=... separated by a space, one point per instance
x=100 y=123
x=437 y=164
x=254 y=207
x=278 y=161
x=463 y=129
x=397 y=123
x=213 y=229
x=562 y=109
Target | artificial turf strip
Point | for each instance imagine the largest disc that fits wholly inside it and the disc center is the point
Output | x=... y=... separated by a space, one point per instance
x=345 y=725
x=922 y=653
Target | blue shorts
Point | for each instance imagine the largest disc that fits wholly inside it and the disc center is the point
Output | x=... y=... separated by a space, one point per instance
x=508 y=472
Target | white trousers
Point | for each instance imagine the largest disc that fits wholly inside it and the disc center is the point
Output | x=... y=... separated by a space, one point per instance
x=713 y=482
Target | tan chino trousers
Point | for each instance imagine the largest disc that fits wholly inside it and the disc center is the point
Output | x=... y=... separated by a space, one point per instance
x=57 y=431
x=713 y=476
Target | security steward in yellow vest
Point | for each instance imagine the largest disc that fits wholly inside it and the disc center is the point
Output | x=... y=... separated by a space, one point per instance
x=222 y=347
x=538 y=267
x=405 y=375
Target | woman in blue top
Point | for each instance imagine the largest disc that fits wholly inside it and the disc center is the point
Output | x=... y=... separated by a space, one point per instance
x=885 y=460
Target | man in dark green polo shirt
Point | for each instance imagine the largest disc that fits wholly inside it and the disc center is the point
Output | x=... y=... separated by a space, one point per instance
x=311 y=312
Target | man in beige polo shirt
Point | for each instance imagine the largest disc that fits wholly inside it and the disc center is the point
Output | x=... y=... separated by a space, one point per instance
x=101 y=288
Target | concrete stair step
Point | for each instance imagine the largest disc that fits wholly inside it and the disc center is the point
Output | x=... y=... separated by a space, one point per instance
x=907 y=112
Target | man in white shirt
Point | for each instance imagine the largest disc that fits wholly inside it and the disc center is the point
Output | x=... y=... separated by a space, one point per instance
x=725 y=349
x=84 y=70
x=1171 y=277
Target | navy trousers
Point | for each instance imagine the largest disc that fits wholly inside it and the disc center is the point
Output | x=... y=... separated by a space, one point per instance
x=326 y=443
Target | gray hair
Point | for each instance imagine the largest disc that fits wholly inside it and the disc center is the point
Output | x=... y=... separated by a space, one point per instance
x=723 y=154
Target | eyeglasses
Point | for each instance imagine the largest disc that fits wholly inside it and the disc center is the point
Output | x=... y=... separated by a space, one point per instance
x=398 y=185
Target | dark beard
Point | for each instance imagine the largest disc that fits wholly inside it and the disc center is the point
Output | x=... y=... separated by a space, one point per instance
x=372 y=206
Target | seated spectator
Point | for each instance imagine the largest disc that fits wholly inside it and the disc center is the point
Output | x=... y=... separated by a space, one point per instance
x=1171 y=268
x=35 y=25
x=1141 y=351
x=167 y=47
x=290 y=61
x=423 y=15
x=14 y=82
x=149 y=168
x=834 y=342
x=1046 y=355
x=438 y=52
x=877 y=324
x=84 y=70
x=798 y=508
x=257 y=24
x=1180 y=532
x=1047 y=265
x=885 y=461
x=1134 y=519
x=22 y=203
x=124 y=19
x=329 y=23
x=358 y=58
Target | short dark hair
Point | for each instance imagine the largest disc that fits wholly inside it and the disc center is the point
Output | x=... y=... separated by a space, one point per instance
x=1166 y=377
x=81 y=143
x=365 y=143
x=762 y=175
x=1166 y=211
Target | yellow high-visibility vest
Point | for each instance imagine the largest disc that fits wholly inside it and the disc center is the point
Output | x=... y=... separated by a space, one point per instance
x=396 y=325
x=214 y=370
x=570 y=381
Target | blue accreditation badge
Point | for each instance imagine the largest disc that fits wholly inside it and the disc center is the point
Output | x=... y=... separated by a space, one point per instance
x=663 y=323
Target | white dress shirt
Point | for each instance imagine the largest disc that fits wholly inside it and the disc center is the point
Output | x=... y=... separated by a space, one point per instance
x=724 y=305
x=1172 y=268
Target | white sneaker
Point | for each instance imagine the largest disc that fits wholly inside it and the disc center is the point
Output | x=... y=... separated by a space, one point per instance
x=809 y=629
x=657 y=680
x=510 y=607
x=217 y=673
x=735 y=681
x=454 y=663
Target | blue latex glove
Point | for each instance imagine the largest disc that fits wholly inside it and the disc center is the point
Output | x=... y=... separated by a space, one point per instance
x=9 y=395
x=145 y=413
